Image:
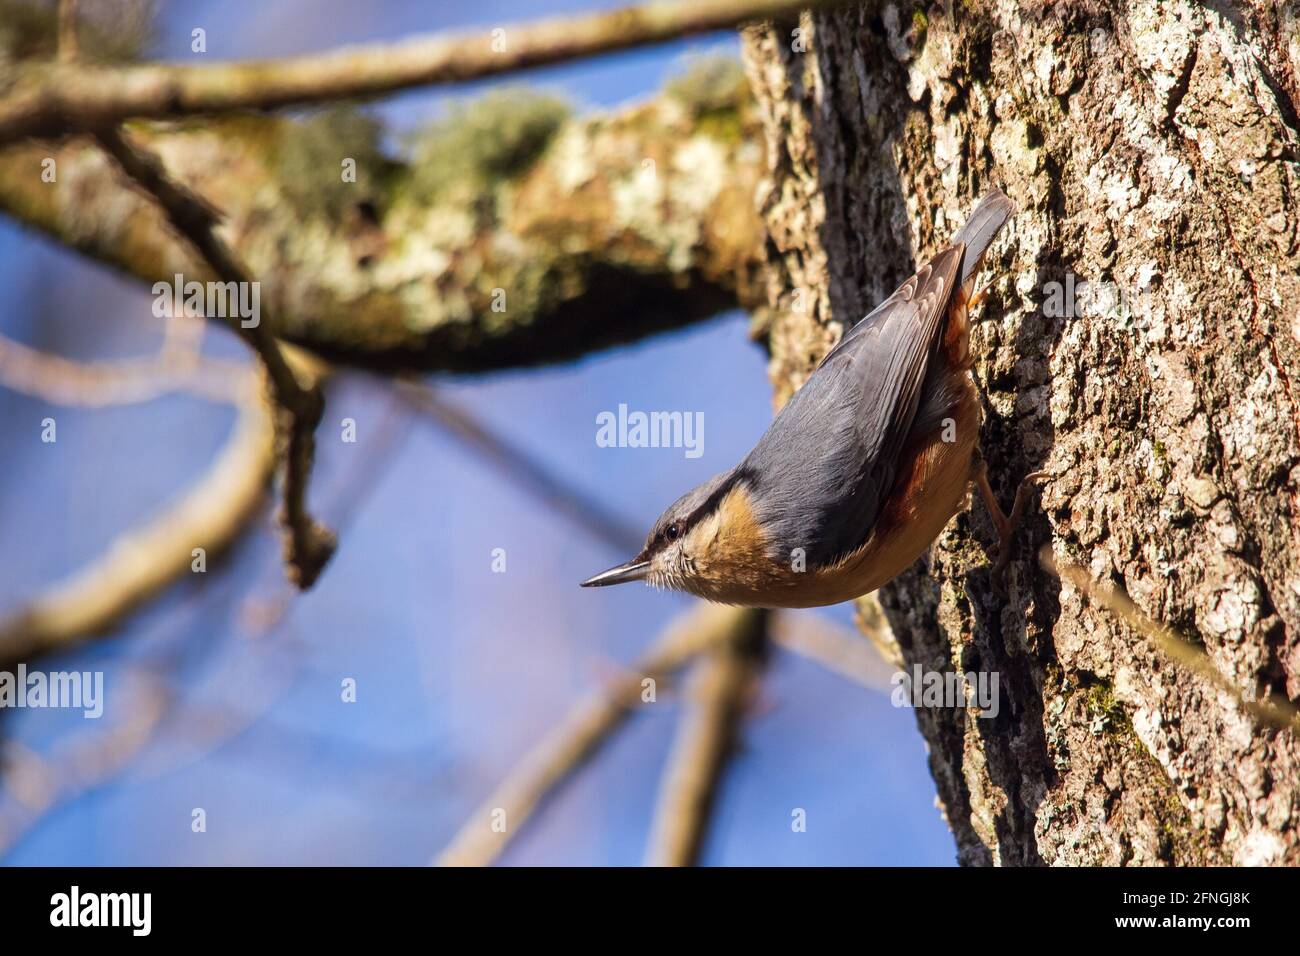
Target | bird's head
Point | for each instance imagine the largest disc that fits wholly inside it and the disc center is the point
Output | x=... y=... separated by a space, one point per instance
x=697 y=542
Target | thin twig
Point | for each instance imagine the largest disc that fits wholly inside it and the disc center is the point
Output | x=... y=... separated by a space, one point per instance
x=38 y=783
x=308 y=544
x=1271 y=709
x=839 y=649
x=716 y=699
x=581 y=733
x=55 y=99
x=344 y=501
x=517 y=465
x=61 y=381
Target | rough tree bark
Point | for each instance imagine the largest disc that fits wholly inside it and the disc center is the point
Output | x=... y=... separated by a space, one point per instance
x=1151 y=145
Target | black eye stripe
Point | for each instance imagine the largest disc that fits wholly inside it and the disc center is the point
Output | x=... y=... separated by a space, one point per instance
x=741 y=475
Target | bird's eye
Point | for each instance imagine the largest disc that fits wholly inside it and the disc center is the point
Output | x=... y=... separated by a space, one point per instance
x=672 y=531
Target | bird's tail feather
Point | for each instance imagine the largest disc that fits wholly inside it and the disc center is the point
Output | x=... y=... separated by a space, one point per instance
x=983 y=225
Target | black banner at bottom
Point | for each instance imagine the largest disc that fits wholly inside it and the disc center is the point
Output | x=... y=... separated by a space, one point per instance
x=335 y=905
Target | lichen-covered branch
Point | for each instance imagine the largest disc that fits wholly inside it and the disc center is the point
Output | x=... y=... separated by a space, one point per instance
x=547 y=239
x=51 y=99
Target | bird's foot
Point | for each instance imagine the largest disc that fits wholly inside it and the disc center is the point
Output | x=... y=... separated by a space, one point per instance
x=1006 y=525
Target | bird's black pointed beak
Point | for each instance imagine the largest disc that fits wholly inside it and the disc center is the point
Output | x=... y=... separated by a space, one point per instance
x=634 y=570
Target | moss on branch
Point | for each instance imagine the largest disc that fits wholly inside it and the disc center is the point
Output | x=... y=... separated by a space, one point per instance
x=513 y=236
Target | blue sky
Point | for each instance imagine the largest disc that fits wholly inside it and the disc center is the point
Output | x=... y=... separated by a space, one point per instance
x=458 y=670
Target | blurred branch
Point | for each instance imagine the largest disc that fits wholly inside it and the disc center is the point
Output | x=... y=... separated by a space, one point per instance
x=54 y=99
x=839 y=649
x=143 y=562
x=141 y=747
x=67 y=30
x=40 y=784
x=1271 y=709
x=717 y=696
x=298 y=404
x=63 y=381
x=520 y=467
x=152 y=706
x=586 y=727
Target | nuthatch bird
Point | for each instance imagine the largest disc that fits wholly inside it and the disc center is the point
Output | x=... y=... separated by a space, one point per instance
x=862 y=468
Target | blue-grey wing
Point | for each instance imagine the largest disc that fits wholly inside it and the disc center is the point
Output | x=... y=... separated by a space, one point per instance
x=825 y=467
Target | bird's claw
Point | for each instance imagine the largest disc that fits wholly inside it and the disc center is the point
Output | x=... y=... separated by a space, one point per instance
x=1006 y=525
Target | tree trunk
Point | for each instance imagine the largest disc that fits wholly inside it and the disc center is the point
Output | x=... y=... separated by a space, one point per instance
x=1151 y=147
